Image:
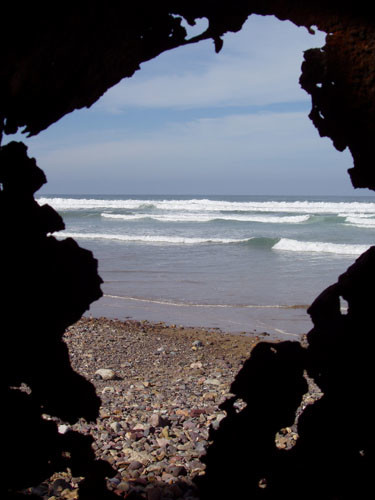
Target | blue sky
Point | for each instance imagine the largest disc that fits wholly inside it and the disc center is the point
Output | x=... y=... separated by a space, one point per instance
x=196 y=122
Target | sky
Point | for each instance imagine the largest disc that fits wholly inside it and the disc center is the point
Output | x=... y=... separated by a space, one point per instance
x=195 y=122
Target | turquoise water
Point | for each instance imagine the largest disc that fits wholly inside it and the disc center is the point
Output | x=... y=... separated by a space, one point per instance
x=235 y=262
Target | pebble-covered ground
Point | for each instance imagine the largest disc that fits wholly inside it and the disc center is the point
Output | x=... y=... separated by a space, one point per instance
x=160 y=388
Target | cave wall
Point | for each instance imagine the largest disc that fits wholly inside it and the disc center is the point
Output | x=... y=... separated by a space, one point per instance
x=61 y=58
x=57 y=60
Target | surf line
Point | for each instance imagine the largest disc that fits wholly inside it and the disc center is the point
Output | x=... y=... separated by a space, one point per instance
x=223 y=306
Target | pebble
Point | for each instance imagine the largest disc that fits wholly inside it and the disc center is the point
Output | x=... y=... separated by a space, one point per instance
x=197 y=364
x=155 y=416
x=177 y=470
x=212 y=381
x=135 y=465
x=115 y=426
x=197 y=343
x=62 y=429
x=157 y=420
x=105 y=374
x=209 y=396
x=216 y=423
x=123 y=487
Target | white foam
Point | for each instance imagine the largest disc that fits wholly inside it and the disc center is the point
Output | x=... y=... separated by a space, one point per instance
x=266 y=219
x=319 y=247
x=180 y=217
x=224 y=306
x=359 y=215
x=92 y=203
x=204 y=205
x=152 y=239
x=364 y=222
x=124 y=216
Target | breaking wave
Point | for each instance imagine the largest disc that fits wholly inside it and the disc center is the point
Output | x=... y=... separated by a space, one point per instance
x=171 y=240
x=204 y=205
x=280 y=244
x=266 y=219
x=361 y=221
x=319 y=247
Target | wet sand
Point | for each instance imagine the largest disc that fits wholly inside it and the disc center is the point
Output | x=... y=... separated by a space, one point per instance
x=281 y=323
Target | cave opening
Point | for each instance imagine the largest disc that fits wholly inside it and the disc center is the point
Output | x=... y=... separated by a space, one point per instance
x=59 y=281
x=214 y=117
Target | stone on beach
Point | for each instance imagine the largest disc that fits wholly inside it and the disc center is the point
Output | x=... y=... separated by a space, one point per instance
x=197 y=364
x=156 y=414
x=157 y=420
x=105 y=374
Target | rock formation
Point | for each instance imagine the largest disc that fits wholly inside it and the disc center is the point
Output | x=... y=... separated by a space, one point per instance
x=334 y=453
x=46 y=286
x=60 y=58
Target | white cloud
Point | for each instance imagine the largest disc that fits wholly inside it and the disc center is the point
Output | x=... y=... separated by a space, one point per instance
x=257 y=66
x=249 y=132
x=266 y=152
x=229 y=153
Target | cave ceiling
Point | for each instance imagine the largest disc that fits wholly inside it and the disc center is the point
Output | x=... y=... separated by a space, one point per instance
x=64 y=58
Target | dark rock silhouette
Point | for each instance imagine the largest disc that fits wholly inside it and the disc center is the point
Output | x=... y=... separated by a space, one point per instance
x=53 y=62
x=333 y=456
x=244 y=454
x=46 y=285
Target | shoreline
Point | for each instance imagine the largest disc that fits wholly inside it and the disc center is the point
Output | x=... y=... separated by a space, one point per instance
x=279 y=322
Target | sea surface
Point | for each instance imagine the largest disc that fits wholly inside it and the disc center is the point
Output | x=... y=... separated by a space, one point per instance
x=238 y=263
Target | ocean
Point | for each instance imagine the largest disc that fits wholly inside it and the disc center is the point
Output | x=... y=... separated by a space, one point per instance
x=238 y=263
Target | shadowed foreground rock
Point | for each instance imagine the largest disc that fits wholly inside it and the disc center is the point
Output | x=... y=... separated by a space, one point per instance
x=334 y=454
x=46 y=285
x=54 y=61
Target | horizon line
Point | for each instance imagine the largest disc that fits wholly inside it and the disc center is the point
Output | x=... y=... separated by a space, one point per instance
x=205 y=194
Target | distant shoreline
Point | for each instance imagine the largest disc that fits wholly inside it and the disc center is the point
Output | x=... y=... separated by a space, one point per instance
x=231 y=320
